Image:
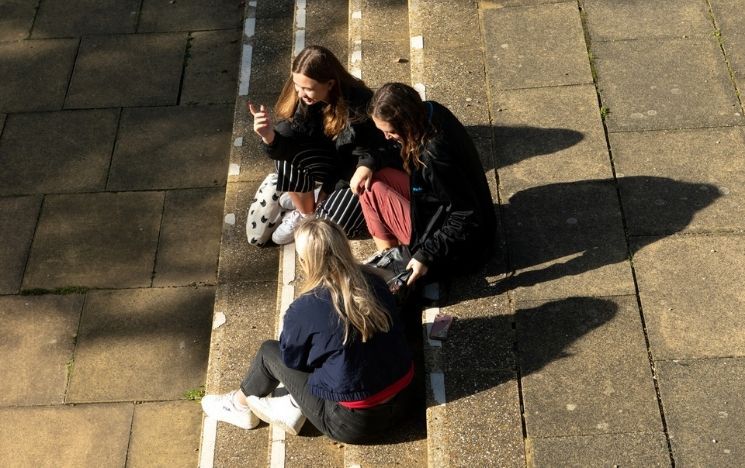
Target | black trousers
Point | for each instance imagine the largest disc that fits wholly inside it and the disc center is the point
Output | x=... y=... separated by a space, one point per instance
x=343 y=424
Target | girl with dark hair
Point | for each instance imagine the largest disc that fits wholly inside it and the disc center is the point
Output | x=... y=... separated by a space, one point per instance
x=441 y=207
x=342 y=355
x=323 y=136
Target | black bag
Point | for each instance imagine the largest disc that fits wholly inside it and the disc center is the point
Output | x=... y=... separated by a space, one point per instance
x=391 y=265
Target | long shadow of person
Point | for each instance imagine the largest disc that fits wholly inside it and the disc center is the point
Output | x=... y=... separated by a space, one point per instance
x=557 y=231
x=480 y=352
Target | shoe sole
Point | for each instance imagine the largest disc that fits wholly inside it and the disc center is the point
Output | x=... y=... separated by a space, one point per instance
x=258 y=411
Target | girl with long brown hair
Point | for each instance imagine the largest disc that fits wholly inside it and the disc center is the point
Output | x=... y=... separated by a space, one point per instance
x=441 y=206
x=342 y=355
x=323 y=136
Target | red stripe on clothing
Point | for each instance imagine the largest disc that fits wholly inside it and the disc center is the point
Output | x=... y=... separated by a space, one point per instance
x=383 y=395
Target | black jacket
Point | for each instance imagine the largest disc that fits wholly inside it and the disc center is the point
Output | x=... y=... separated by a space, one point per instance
x=453 y=219
x=360 y=143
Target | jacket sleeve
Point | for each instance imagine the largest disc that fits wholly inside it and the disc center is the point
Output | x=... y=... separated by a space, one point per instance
x=295 y=341
x=285 y=145
x=457 y=216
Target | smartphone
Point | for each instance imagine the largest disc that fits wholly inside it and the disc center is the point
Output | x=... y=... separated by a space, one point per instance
x=399 y=281
x=440 y=327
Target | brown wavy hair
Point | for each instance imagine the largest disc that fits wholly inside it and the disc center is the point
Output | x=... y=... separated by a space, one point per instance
x=326 y=260
x=320 y=64
x=401 y=106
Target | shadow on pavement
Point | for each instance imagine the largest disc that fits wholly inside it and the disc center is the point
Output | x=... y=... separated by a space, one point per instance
x=545 y=332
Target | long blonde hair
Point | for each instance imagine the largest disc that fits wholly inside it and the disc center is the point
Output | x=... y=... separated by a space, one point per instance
x=320 y=64
x=326 y=261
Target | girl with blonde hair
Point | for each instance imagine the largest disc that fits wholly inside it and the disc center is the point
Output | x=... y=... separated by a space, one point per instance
x=342 y=355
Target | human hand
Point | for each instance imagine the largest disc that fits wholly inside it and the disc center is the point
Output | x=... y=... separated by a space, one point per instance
x=418 y=269
x=361 y=180
x=262 y=123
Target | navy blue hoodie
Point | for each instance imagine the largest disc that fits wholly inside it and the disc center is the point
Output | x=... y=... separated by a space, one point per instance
x=312 y=341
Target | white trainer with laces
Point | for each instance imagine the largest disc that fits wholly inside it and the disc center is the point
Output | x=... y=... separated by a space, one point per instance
x=223 y=408
x=280 y=411
x=285 y=232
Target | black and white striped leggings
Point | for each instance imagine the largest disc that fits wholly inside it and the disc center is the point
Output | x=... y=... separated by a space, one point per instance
x=311 y=167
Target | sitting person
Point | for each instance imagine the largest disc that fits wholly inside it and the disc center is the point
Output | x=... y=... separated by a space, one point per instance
x=342 y=355
x=323 y=136
x=441 y=207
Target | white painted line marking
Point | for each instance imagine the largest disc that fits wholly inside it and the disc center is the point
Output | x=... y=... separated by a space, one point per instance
x=437 y=380
x=252 y=4
x=422 y=90
x=300 y=19
x=238 y=142
x=245 y=70
x=230 y=219
x=277 y=459
x=234 y=169
x=249 y=28
x=417 y=42
x=299 y=42
x=209 y=436
x=356 y=72
x=219 y=320
x=356 y=15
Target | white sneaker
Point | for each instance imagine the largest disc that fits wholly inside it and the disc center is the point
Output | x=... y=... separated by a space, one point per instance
x=285 y=202
x=284 y=234
x=222 y=408
x=280 y=411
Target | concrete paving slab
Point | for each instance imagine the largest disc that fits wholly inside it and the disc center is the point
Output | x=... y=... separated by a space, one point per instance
x=535 y=46
x=645 y=449
x=2 y=123
x=54 y=152
x=327 y=23
x=312 y=448
x=684 y=282
x=704 y=410
x=75 y=18
x=611 y=21
x=548 y=135
x=385 y=61
x=50 y=62
x=482 y=318
x=239 y=260
x=390 y=17
x=16 y=19
x=127 y=71
x=566 y=237
x=211 y=73
x=165 y=434
x=491 y=4
x=73 y=439
x=275 y=8
x=18 y=216
x=250 y=310
x=658 y=84
x=685 y=180
x=405 y=446
x=190 y=15
x=448 y=24
x=125 y=335
x=172 y=147
x=95 y=240
x=253 y=164
x=38 y=339
x=468 y=100
x=729 y=18
x=272 y=54
x=573 y=382
x=189 y=241
x=483 y=428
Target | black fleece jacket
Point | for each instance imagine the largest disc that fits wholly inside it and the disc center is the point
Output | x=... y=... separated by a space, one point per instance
x=453 y=219
x=360 y=143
